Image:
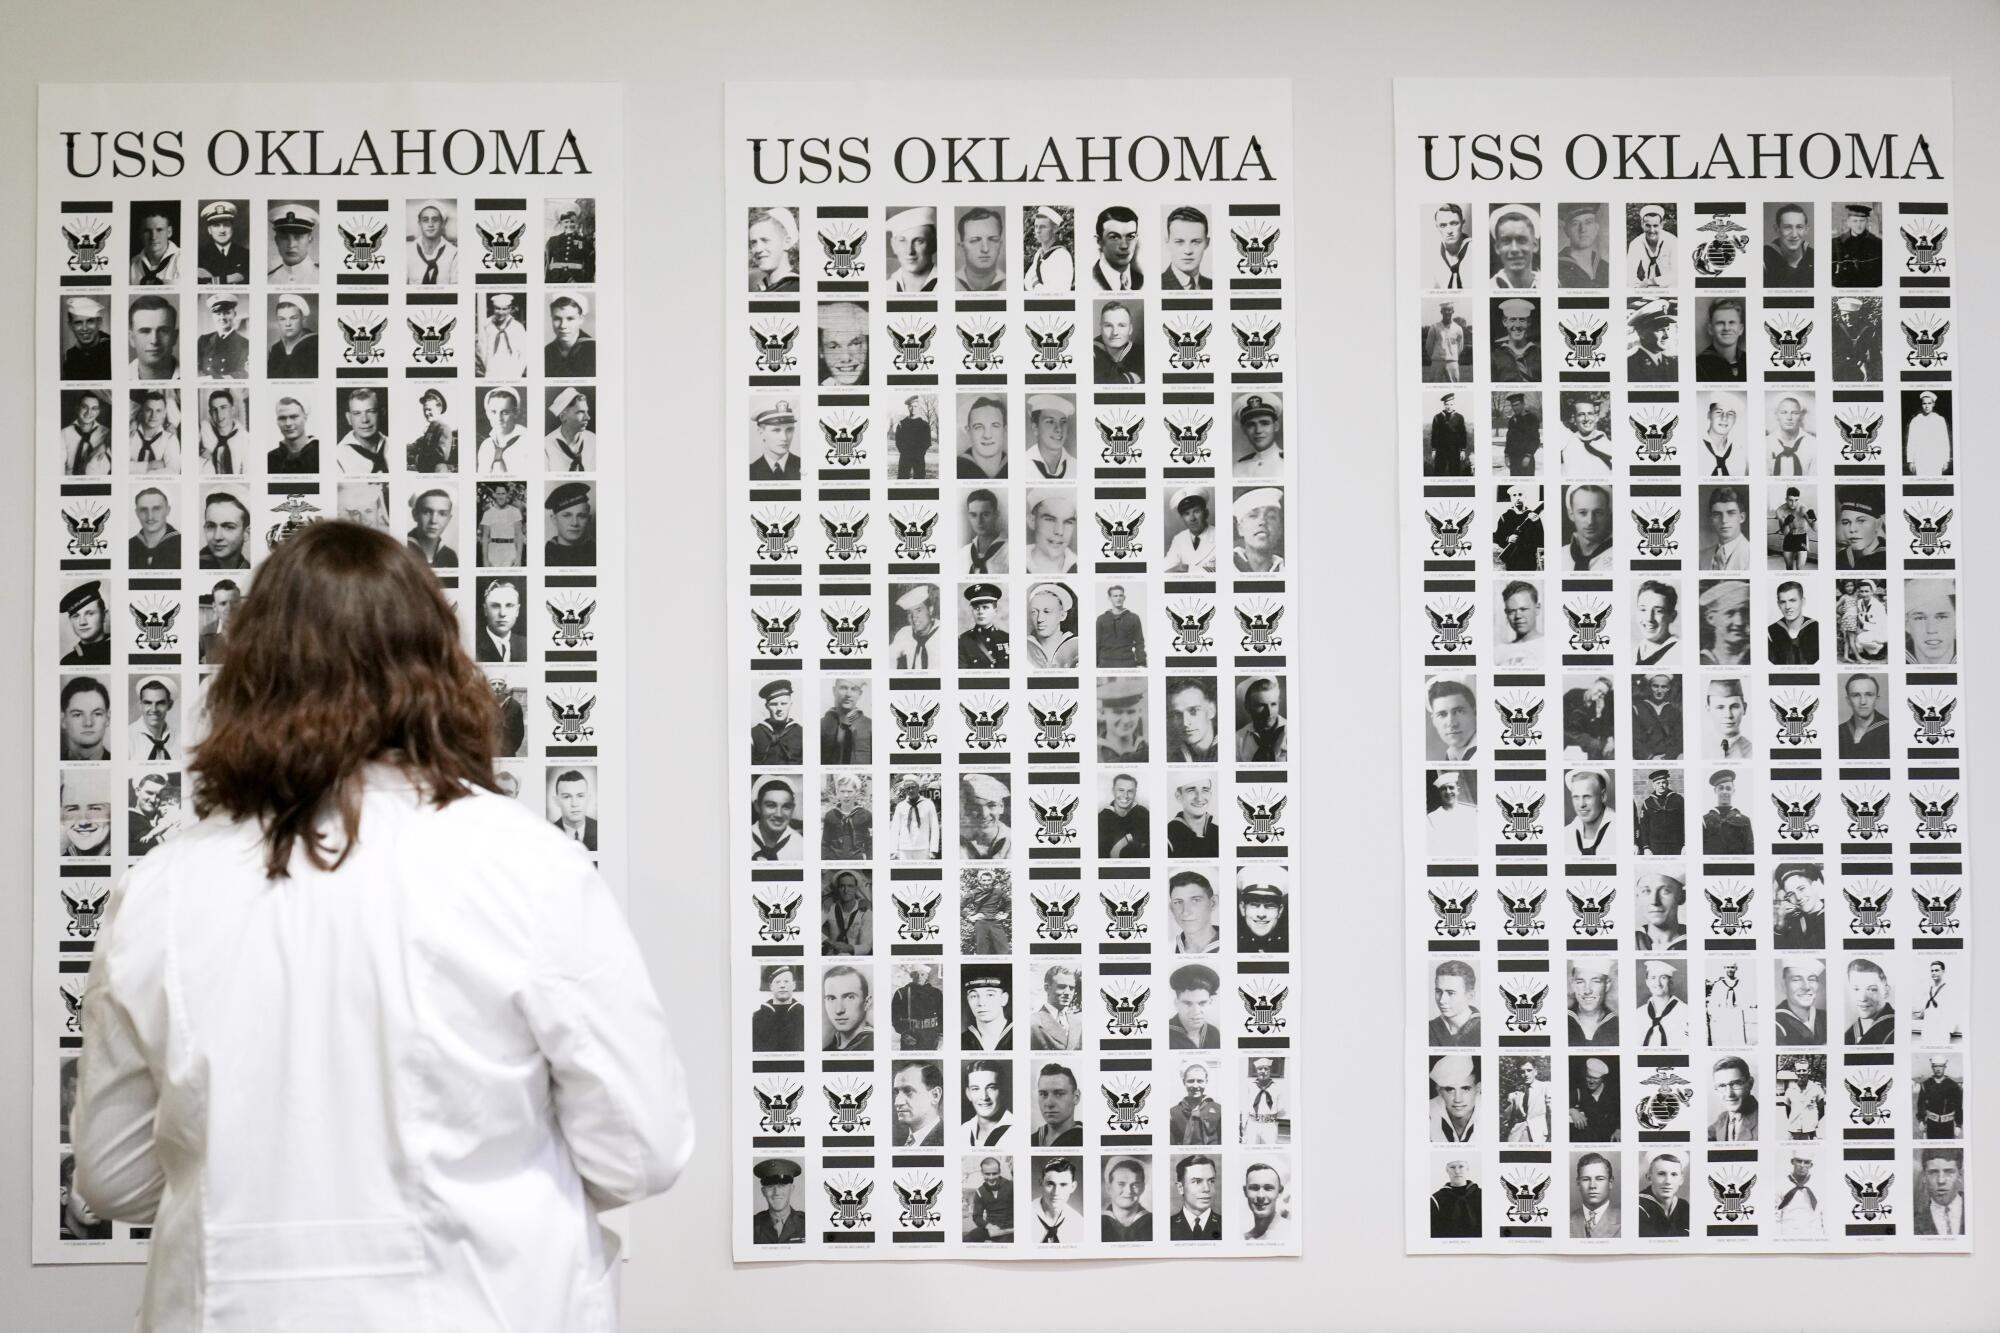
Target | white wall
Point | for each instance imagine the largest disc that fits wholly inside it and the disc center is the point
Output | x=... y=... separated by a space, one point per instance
x=673 y=58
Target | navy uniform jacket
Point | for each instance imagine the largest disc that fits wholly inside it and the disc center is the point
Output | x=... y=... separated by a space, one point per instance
x=1210 y=1230
x=786 y=471
x=775 y=1029
x=1857 y=261
x=301 y=363
x=582 y=553
x=90 y=654
x=777 y=745
x=570 y=258
x=1451 y=442
x=860 y=739
x=579 y=360
x=306 y=461
x=1727 y=833
x=1655 y=1220
x=88 y=363
x=223 y=358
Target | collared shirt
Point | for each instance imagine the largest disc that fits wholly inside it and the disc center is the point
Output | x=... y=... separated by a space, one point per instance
x=1730 y=555
x=1189 y=552
x=1594 y=1219
x=305 y=271
x=1261 y=462
x=1949 y=1218
x=1127 y=279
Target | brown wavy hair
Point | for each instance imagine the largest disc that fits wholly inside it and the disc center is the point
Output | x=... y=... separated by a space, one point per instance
x=343 y=653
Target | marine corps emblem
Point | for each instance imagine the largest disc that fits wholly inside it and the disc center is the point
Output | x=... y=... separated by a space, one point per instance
x=920 y=1212
x=1662 y=1106
x=1121 y=533
x=154 y=616
x=1187 y=433
x=913 y=533
x=364 y=246
x=843 y=432
x=779 y=1102
x=843 y=244
x=1187 y=341
x=1788 y=333
x=1126 y=1096
x=1124 y=918
x=430 y=335
x=844 y=630
x=1050 y=336
x=912 y=339
x=85 y=238
x=774 y=339
x=570 y=622
x=1260 y=818
x=1259 y=621
x=500 y=245
x=85 y=520
x=364 y=339
x=1583 y=341
x=914 y=726
x=298 y=512
x=1120 y=432
x=1191 y=630
x=1727 y=238
x=1254 y=241
x=981 y=338
x=1257 y=342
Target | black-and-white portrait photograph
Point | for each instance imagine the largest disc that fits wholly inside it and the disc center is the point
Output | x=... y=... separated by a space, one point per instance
x=501 y=517
x=1259 y=530
x=1937 y=1094
x=225 y=529
x=1791 y=527
x=914 y=625
x=986 y=1192
x=1870 y=1007
x=1798 y=905
x=1590 y=709
x=1725 y=622
x=1926 y=415
x=1445 y=351
x=1790 y=258
x=1596 y=1206
x=1659 y=1014
x=911 y=234
x=84 y=625
x=1656 y=623
x=1455 y=1008
x=1184 y=258
x=981 y=260
x=916 y=1103
x=916 y=816
x=1048 y=248
x=503 y=440
x=1518 y=530
x=985 y=824
x=846 y=1007
x=1516 y=354
x=916 y=1004
x=1854 y=242
x=1585 y=437
x=222 y=347
x=986 y=1009
x=153 y=336
x=986 y=1103
x=1526 y=1099
x=291 y=349
x=1451 y=719
x=1514 y=243
x=571 y=351
x=363 y=502
x=1049 y=541
x=777 y=822
x=222 y=253
x=1939 y=1208
x=1447 y=433
x=1118 y=341
x=430 y=242
x=1590 y=815
x=1854 y=339
x=1193 y=719
x=504 y=343
x=1451 y=813
x=83 y=810
x=225 y=449
x=1188 y=528
x=1659 y=812
x=1263 y=902
x=154 y=736
x=1791 y=444
x=570 y=252
x=1798 y=1011
x=1861 y=621
x=1517 y=634
x=1652 y=335
x=570 y=520
x=154 y=242
x=83 y=338
x=1663 y=1191
x=1593 y=1002
x=846 y=814
x=982 y=423
x=293 y=252
x=1582 y=257
x=1454 y=1092
x=1720 y=323
x=1456 y=1200
x=1119 y=631
x=1930 y=622
x=1588 y=512
x=843 y=343
x=572 y=802
x=1121 y=720
x=1652 y=245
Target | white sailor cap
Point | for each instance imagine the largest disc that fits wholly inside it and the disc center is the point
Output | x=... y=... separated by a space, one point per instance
x=502 y=395
x=1517 y=308
x=296 y=302
x=1453 y=1069
x=919 y=595
x=561 y=402
x=501 y=300
x=1521 y=211
x=1059 y=504
x=1264 y=497
x=1652 y=211
x=984 y=787
x=581 y=300
x=1042 y=403
x=1048 y=215
x=912 y=218
x=84 y=307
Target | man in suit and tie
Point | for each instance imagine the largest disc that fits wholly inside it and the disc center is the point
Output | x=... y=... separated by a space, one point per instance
x=1736 y=1121
x=572 y=804
x=1940 y=1192
x=1197 y=1218
x=502 y=638
x=917 y=1096
x=1187 y=251
x=1595 y=1212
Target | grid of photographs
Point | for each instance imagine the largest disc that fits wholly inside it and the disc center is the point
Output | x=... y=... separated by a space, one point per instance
x=1013 y=723
x=1687 y=892
x=223 y=367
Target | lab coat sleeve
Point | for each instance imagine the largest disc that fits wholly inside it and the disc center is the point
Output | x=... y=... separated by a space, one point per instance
x=118 y=1172
x=620 y=1093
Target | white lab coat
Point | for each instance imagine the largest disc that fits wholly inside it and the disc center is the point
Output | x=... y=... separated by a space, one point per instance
x=392 y=1097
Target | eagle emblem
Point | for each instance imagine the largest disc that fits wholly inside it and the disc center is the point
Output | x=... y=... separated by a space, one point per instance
x=1188 y=439
x=1121 y=534
x=1857 y=437
x=1124 y=919
x=1191 y=630
x=1937 y=911
x=572 y=625
x=774 y=538
x=1260 y=819
x=1670 y=1096
x=1256 y=341
x=1448 y=632
x=912 y=339
x=1934 y=817
x=1587 y=628
x=1870 y=909
x=850 y=1203
x=1788 y=341
x=1871 y=1195
x=298 y=512
x=1259 y=627
x=1261 y=1016
x=913 y=726
x=1926 y=343
x=848 y=1100
x=780 y=1106
x=843 y=536
x=1454 y=913
x=1927 y=532
x=983 y=726
x=72 y=995
x=1867 y=1103
x=1051 y=340
x=843 y=245
x=364 y=246
x=1525 y=1190
x=920 y=1210
x=86 y=530
x=500 y=246
x=1125 y=1014
x=1933 y=721
x=1056 y=915
x=1524 y=914
x=1448 y=533
x=431 y=339
x=1052 y=729
x=777 y=918
x=1796 y=817
x=844 y=631
x=1656 y=532
x=981 y=338
x=1795 y=722
x=85 y=910
x=1653 y=440
x=156 y=627
x=86 y=246
x=1518 y=724
x=1727 y=239
x=572 y=720
x=1524 y=1007
x=774 y=346
x=1523 y=818
x=913 y=534
x=364 y=339
x=1253 y=249
x=1924 y=249
x=1864 y=818
x=1732 y=1196
x=1127 y=1106
x=1583 y=342
x=1730 y=911
x=1120 y=433
x=774 y=633
x=1187 y=342
x=919 y=916
x=1593 y=911
x=843 y=439
x=1052 y=822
